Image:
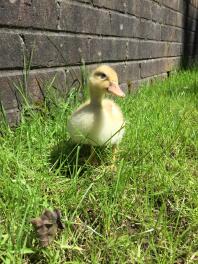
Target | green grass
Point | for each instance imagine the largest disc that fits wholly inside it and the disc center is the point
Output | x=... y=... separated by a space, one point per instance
x=144 y=212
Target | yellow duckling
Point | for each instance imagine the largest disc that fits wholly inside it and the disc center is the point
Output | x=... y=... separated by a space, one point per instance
x=99 y=121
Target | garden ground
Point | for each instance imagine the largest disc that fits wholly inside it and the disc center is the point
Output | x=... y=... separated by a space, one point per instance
x=144 y=211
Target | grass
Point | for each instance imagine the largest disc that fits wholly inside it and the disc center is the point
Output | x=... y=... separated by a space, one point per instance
x=144 y=212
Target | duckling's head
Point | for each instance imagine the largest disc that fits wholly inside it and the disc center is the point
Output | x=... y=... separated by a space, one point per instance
x=104 y=79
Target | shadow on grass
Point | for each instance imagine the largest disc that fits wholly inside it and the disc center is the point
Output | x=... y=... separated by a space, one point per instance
x=69 y=158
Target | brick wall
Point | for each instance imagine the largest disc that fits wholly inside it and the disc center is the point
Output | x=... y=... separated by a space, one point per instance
x=139 y=38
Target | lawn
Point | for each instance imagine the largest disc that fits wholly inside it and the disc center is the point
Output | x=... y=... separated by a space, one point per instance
x=143 y=211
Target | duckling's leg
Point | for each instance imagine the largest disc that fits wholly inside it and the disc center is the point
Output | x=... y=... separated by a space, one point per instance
x=114 y=154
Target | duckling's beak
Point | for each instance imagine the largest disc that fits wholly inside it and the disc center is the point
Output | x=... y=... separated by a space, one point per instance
x=115 y=89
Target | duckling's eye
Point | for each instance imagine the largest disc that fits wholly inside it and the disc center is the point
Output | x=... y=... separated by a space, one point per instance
x=101 y=75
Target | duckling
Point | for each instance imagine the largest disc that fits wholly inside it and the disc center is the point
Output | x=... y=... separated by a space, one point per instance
x=99 y=121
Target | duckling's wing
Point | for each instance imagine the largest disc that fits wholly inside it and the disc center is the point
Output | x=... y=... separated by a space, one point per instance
x=114 y=128
x=81 y=124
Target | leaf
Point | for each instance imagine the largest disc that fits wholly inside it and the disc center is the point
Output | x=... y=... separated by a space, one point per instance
x=26 y=251
x=47 y=225
x=71 y=247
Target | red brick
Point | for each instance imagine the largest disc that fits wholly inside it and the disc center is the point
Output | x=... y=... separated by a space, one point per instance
x=27 y=13
x=11 y=51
